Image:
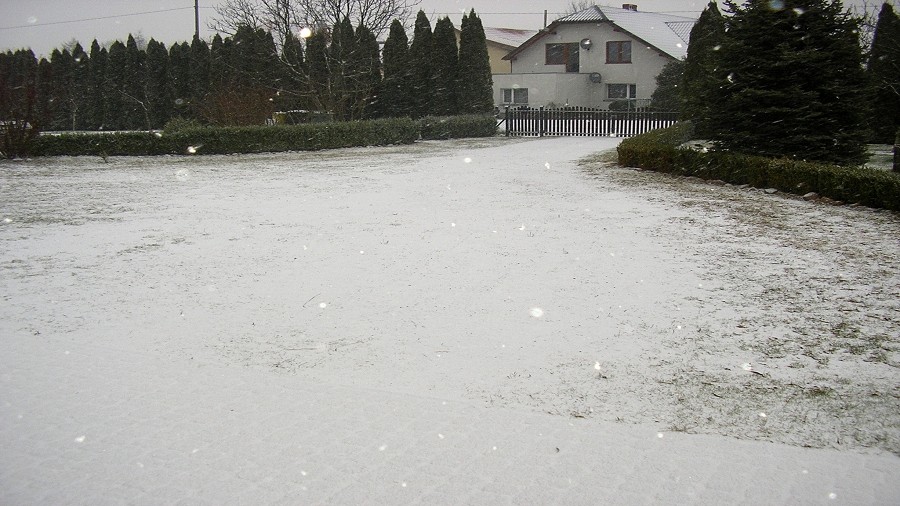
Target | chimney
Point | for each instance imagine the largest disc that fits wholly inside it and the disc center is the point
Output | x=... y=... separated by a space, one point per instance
x=630 y=7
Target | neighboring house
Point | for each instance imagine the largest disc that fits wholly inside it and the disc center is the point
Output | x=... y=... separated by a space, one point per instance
x=500 y=41
x=593 y=58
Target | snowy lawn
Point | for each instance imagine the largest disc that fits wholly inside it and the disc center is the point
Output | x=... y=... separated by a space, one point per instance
x=509 y=273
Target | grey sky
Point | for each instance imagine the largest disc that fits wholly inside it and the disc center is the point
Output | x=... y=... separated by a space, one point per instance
x=46 y=24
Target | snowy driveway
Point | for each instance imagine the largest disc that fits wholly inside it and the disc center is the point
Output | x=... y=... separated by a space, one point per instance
x=470 y=321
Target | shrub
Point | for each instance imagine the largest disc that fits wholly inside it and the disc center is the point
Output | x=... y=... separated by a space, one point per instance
x=659 y=150
x=457 y=127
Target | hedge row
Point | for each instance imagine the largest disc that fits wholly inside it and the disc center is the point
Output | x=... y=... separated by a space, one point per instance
x=189 y=139
x=659 y=151
x=458 y=127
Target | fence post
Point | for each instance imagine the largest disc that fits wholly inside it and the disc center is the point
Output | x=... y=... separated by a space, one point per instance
x=506 y=119
x=541 y=121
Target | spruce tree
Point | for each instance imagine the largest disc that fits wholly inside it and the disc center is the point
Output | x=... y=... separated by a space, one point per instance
x=445 y=60
x=421 y=77
x=699 y=83
x=668 y=87
x=884 y=77
x=475 y=84
x=791 y=82
x=395 y=88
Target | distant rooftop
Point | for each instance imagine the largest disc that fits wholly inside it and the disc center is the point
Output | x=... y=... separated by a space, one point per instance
x=511 y=37
x=666 y=32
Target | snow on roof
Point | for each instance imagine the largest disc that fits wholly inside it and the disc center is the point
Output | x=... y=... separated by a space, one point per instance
x=668 y=33
x=511 y=37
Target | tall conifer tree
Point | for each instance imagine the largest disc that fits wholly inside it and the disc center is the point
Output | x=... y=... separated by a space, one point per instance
x=698 y=82
x=158 y=92
x=394 y=96
x=792 y=81
x=884 y=76
x=475 y=84
x=420 y=61
x=445 y=60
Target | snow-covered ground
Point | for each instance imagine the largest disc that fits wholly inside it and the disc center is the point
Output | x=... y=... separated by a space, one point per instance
x=477 y=321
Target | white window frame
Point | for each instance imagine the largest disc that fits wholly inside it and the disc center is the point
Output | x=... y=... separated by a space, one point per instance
x=630 y=91
x=514 y=96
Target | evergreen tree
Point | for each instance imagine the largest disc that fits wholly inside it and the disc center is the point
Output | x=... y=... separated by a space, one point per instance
x=395 y=88
x=445 y=60
x=56 y=84
x=668 y=82
x=113 y=107
x=368 y=65
x=200 y=69
x=18 y=102
x=78 y=95
x=421 y=77
x=342 y=77
x=317 y=61
x=292 y=91
x=136 y=113
x=475 y=93
x=94 y=103
x=218 y=63
x=792 y=82
x=157 y=91
x=180 y=80
x=884 y=77
x=699 y=83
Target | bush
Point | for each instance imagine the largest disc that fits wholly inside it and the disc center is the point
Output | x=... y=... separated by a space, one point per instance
x=457 y=127
x=659 y=150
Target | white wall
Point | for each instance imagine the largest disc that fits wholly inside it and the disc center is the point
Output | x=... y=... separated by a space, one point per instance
x=551 y=83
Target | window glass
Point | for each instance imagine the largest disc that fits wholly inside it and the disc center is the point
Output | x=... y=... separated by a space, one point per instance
x=621 y=91
x=520 y=95
x=618 y=52
x=556 y=54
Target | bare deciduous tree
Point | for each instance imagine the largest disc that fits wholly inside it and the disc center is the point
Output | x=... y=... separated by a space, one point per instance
x=283 y=16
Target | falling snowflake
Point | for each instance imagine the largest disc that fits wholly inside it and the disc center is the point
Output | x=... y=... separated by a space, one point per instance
x=536 y=312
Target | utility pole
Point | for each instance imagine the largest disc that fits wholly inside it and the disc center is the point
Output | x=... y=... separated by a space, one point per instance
x=197 y=19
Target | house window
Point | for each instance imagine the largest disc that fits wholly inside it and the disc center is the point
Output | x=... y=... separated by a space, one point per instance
x=563 y=54
x=621 y=91
x=618 y=52
x=517 y=96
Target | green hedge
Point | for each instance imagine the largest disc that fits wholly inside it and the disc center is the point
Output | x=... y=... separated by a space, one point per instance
x=659 y=151
x=458 y=127
x=227 y=140
x=187 y=137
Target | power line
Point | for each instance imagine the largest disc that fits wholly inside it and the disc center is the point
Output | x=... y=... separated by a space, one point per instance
x=34 y=25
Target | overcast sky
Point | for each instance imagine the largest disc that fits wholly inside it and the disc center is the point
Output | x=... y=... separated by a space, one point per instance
x=46 y=24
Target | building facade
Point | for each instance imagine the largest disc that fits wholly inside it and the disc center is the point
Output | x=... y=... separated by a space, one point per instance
x=595 y=58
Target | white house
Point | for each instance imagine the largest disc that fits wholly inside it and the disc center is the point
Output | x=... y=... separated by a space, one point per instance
x=593 y=58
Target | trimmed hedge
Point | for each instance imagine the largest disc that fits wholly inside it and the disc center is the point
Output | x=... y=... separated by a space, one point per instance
x=228 y=140
x=189 y=138
x=458 y=127
x=659 y=151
